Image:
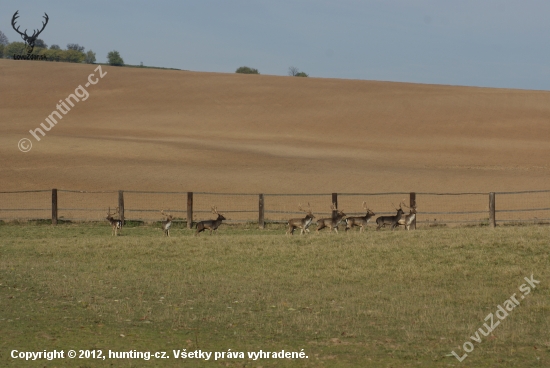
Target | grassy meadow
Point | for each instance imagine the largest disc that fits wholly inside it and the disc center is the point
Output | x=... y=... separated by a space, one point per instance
x=378 y=299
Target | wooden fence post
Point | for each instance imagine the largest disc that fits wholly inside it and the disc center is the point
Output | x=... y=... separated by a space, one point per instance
x=492 y=217
x=412 y=203
x=189 y=210
x=261 y=222
x=121 y=205
x=54 y=206
x=335 y=202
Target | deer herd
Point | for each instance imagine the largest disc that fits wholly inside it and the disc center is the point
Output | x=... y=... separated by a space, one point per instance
x=166 y=224
x=338 y=217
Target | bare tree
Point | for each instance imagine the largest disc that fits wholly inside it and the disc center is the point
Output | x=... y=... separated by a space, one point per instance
x=292 y=71
x=3 y=39
x=75 y=46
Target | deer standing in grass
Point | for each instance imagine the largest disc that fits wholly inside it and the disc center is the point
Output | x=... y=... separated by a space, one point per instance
x=167 y=223
x=116 y=224
x=301 y=223
x=360 y=221
x=382 y=221
x=409 y=219
x=332 y=222
x=210 y=224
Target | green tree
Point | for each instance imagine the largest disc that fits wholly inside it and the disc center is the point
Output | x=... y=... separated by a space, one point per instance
x=247 y=70
x=55 y=47
x=17 y=48
x=73 y=56
x=90 y=57
x=295 y=72
x=1 y=51
x=114 y=58
x=40 y=43
x=53 y=54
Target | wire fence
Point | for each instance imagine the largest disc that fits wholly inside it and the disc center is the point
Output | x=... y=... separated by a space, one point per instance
x=433 y=209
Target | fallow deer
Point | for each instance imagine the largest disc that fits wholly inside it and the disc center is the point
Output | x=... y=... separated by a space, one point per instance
x=382 y=221
x=360 y=221
x=301 y=223
x=210 y=224
x=166 y=224
x=332 y=222
x=116 y=224
x=409 y=219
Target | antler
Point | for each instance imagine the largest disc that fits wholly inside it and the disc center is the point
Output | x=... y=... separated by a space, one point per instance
x=165 y=215
x=109 y=211
x=13 y=19
x=215 y=210
x=334 y=207
x=400 y=204
x=36 y=33
x=44 y=23
x=365 y=205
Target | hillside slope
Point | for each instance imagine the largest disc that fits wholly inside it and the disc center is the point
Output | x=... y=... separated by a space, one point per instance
x=148 y=129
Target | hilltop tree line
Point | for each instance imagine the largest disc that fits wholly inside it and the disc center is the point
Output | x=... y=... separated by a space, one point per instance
x=292 y=71
x=74 y=53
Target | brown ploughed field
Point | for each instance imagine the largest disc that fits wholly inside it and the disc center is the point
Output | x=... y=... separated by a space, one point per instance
x=150 y=129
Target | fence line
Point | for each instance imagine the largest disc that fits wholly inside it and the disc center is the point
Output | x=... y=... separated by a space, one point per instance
x=188 y=207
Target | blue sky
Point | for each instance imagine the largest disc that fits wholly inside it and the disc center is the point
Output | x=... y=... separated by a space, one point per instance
x=493 y=43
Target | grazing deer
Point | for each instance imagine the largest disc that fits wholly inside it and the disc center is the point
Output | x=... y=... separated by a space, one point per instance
x=382 y=221
x=360 y=221
x=116 y=224
x=409 y=219
x=332 y=222
x=166 y=224
x=301 y=223
x=210 y=224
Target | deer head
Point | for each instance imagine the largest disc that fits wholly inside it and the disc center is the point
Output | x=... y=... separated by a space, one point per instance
x=369 y=212
x=29 y=40
x=335 y=208
x=400 y=209
x=411 y=209
x=308 y=212
x=215 y=212
x=169 y=217
x=110 y=215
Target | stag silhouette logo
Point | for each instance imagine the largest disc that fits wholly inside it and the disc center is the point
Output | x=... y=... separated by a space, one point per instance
x=29 y=40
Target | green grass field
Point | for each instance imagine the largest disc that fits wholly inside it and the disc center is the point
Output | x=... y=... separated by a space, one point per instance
x=379 y=299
